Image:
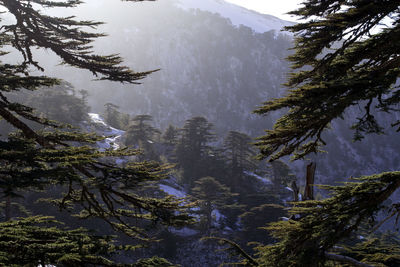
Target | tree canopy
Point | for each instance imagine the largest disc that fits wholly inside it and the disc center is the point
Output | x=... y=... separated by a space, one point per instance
x=57 y=154
x=346 y=54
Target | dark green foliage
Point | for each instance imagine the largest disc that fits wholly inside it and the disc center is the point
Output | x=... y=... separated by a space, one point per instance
x=93 y=184
x=254 y=219
x=40 y=240
x=211 y=195
x=140 y=132
x=239 y=154
x=170 y=135
x=281 y=174
x=358 y=66
x=155 y=261
x=325 y=223
x=62 y=35
x=169 y=139
x=239 y=151
x=383 y=249
x=59 y=103
x=193 y=150
x=346 y=55
x=142 y=135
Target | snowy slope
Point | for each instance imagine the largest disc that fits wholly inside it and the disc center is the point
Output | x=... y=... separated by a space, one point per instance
x=260 y=23
x=114 y=135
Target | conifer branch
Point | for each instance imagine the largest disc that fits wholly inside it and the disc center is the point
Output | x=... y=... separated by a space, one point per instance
x=65 y=38
x=335 y=80
x=345 y=259
x=238 y=250
x=28 y=132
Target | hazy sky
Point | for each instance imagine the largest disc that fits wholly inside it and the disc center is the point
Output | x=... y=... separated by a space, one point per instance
x=276 y=8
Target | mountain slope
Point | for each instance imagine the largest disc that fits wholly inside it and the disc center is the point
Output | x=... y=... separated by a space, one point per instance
x=260 y=23
x=208 y=67
x=223 y=71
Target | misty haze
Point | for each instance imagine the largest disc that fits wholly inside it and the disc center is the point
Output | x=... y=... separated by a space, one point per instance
x=199 y=133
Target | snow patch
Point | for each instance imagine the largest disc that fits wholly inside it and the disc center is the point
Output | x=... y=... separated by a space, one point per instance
x=114 y=134
x=120 y=161
x=185 y=231
x=172 y=191
x=97 y=119
x=264 y=180
x=218 y=217
x=289 y=189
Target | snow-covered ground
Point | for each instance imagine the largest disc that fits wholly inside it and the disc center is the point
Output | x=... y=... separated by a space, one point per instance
x=172 y=191
x=113 y=135
x=238 y=15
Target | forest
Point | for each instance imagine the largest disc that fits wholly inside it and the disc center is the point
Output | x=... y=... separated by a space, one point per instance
x=123 y=188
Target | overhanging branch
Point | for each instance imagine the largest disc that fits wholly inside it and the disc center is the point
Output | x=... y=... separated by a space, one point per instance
x=345 y=259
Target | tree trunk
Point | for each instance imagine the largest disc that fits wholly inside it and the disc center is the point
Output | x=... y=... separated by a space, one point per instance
x=309 y=189
x=8 y=208
x=209 y=217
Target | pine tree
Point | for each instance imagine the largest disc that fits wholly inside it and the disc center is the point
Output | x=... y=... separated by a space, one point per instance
x=32 y=159
x=347 y=53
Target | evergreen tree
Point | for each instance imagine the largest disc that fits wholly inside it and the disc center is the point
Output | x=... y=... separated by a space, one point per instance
x=140 y=133
x=31 y=159
x=239 y=153
x=39 y=240
x=170 y=138
x=211 y=195
x=59 y=103
x=253 y=219
x=114 y=118
x=281 y=174
x=170 y=135
x=192 y=149
x=347 y=53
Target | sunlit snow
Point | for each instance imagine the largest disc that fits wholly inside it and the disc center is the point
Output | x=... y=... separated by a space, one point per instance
x=114 y=134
